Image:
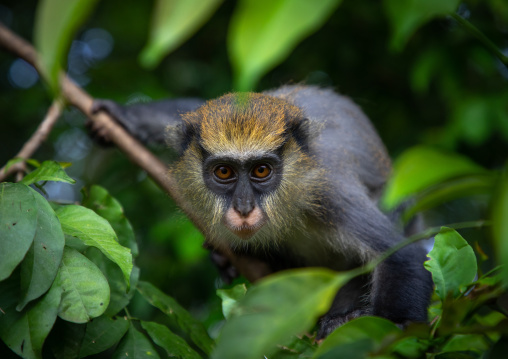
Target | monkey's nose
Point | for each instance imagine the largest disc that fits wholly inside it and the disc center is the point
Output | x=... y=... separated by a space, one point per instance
x=243 y=207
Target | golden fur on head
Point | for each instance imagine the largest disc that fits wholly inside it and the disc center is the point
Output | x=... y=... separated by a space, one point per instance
x=242 y=123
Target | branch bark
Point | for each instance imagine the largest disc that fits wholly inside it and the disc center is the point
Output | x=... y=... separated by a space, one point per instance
x=251 y=268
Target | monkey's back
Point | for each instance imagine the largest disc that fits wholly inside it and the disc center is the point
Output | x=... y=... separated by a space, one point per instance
x=347 y=143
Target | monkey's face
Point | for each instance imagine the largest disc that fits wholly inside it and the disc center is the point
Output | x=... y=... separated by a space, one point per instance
x=244 y=184
x=245 y=170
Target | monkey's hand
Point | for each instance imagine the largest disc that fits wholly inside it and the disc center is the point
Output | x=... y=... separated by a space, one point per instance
x=145 y=121
x=227 y=271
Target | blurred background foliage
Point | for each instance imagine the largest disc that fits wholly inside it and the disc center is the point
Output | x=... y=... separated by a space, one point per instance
x=421 y=82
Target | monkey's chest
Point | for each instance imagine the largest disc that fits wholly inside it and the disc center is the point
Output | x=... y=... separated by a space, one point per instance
x=317 y=251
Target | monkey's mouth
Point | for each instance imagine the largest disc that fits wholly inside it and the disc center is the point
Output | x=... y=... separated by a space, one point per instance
x=245 y=231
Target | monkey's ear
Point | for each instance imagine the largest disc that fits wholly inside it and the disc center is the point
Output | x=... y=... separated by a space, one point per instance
x=180 y=135
x=300 y=131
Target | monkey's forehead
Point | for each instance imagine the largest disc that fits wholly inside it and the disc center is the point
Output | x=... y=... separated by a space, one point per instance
x=242 y=135
x=243 y=123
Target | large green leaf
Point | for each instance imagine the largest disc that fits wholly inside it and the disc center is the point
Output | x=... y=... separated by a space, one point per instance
x=264 y=32
x=452 y=263
x=101 y=202
x=48 y=171
x=170 y=307
x=174 y=21
x=120 y=294
x=85 y=290
x=25 y=332
x=421 y=167
x=282 y=305
x=18 y=224
x=174 y=345
x=95 y=231
x=55 y=24
x=41 y=263
x=500 y=225
x=102 y=333
x=357 y=338
x=135 y=345
x=406 y=16
x=230 y=298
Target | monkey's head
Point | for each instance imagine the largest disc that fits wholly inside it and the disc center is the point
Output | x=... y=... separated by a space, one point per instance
x=245 y=168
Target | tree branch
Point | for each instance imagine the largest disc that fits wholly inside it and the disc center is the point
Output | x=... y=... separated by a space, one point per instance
x=251 y=268
x=40 y=135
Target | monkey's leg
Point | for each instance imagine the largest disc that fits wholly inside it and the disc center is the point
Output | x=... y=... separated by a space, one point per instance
x=351 y=301
x=401 y=287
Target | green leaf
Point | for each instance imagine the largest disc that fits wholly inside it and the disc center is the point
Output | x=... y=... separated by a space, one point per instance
x=135 y=345
x=174 y=345
x=271 y=311
x=264 y=32
x=48 y=171
x=41 y=263
x=421 y=167
x=500 y=225
x=25 y=332
x=101 y=202
x=230 y=298
x=449 y=190
x=298 y=348
x=171 y=308
x=120 y=295
x=85 y=290
x=102 y=333
x=452 y=263
x=173 y=22
x=13 y=161
x=95 y=231
x=410 y=347
x=406 y=16
x=18 y=224
x=466 y=342
x=64 y=341
x=367 y=331
x=56 y=22
x=474 y=119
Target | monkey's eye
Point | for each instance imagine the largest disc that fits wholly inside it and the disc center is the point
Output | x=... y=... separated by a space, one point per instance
x=261 y=171
x=224 y=172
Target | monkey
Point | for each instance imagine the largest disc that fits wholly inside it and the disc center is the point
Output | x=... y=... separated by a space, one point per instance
x=292 y=176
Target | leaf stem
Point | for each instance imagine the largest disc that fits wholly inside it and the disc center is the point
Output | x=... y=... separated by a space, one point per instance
x=419 y=236
x=481 y=36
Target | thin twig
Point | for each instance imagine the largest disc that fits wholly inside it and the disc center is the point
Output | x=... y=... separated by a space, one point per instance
x=35 y=141
x=481 y=36
x=251 y=268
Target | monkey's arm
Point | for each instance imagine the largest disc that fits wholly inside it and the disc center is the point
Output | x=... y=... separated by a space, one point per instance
x=148 y=121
